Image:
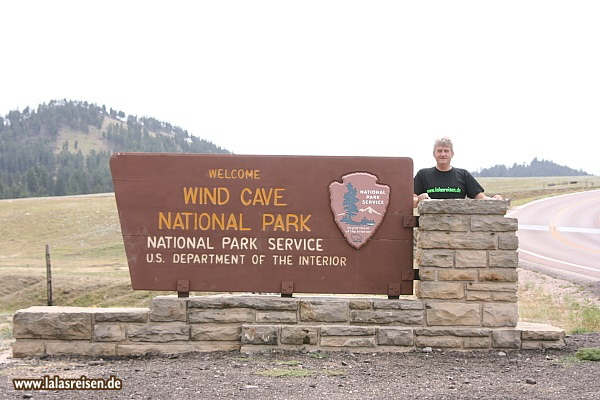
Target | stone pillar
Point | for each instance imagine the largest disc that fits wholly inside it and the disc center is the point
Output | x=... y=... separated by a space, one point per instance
x=467 y=259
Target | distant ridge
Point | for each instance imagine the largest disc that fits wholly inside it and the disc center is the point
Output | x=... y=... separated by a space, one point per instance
x=536 y=168
x=63 y=147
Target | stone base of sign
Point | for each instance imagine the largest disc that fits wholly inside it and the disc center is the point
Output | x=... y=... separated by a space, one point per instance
x=255 y=323
x=466 y=299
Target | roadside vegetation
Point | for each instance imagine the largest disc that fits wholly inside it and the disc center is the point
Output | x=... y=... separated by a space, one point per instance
x=548 y=300
x=89 y=267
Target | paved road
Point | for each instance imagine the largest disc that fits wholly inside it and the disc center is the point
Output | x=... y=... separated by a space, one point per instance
x=562 y=232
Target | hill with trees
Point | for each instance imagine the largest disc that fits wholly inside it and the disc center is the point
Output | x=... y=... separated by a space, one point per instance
x=534 y=169
x=63 y=147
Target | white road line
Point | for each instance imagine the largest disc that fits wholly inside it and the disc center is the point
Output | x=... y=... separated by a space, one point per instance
x=558 y=261
x=558 y=228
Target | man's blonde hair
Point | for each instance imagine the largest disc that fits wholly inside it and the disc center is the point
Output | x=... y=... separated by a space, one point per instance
x=443 y=142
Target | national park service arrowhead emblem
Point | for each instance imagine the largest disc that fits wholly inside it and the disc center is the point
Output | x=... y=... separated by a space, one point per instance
x=358 y=204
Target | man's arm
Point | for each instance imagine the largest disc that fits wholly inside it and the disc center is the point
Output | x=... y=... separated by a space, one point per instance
x=482 y=196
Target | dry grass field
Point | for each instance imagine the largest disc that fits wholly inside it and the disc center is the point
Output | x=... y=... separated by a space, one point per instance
x=524 y=190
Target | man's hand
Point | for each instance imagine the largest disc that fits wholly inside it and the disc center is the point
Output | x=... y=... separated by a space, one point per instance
x=417 y=199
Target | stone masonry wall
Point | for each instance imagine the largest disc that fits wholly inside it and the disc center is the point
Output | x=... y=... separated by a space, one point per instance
x=466 y=300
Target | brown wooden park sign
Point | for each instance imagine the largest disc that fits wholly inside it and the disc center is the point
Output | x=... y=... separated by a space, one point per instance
x=269 y=224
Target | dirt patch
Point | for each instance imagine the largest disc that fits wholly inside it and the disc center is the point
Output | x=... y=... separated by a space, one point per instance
x=584 y=291
x=281 y=375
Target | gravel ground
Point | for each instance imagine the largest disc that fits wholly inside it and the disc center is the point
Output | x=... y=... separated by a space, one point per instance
x=304 y=375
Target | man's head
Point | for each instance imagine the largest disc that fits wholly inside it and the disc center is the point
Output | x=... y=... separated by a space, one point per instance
x=443 y=151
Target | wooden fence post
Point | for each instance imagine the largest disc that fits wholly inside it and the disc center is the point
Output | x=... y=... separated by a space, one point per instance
x=48 y=276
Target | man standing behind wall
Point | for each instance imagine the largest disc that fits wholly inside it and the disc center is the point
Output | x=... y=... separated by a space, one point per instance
x=445 y=181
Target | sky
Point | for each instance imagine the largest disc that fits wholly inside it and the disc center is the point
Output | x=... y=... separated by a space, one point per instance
x=507 y=81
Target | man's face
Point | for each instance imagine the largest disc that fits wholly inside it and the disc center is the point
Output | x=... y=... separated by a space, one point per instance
x=443 y=156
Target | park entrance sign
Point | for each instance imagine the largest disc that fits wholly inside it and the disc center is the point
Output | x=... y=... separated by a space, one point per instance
x=269 y=224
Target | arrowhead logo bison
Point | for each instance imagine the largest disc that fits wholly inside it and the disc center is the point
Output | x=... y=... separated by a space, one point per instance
x=358 y=204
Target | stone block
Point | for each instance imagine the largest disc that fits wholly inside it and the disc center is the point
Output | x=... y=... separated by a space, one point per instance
x=391 y=336
x=463 y=206
x=259 y=334
x=81 y=348
x=221 y=316
x=215 y=332
x=495 y=223
x=506 y=339
x=387 y=317
x=477 y=343
x=457 y=314
x=440 y=290
x=498 y=275
x=508 y=241
x=445 y=222
x=428 y=274
x=458 y=240
x=336 y=330
x=500 y=314
x=534 y=331
x=531 y=345
x=159 y=333
x=554 y=345
x=61 y=323
x=457 y=275
x=360 y=304
x=505 y=296
x=299 y=335
x=453 y=331
x=492 y=287
x=120 y=314
x=398 y=304
x=28 y=348
x=350 y=342
x=255 y=302
x=167 y=308
x=324 y=311
x=276 y=317
x=471 y=259
x=439 y=342
x=109 y=332
x=503 y=259
x=478 y=296
x=440 y=258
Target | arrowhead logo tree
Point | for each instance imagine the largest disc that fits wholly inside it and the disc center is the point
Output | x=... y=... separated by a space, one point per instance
x=359 y=205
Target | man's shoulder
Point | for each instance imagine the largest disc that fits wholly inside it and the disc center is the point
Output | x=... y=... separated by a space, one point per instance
x=428 y=170
x=461 y=171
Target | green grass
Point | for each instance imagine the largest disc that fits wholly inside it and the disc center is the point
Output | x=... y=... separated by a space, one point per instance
x=293 y=363
x=588 y=354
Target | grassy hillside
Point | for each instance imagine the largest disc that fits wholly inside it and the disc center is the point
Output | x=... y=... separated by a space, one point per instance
x=62 y=148
x=89 y=267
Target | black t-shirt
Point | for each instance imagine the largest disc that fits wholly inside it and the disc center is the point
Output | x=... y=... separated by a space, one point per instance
x=454 y=184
